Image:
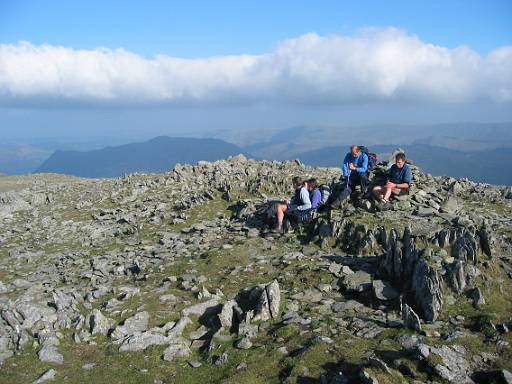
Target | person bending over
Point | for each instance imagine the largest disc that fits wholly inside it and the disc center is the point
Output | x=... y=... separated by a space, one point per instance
x=300 y=202
x=399 y=179
x=355 y=167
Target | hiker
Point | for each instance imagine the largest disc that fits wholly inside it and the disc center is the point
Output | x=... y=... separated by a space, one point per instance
x=315 y=195
x=299 y=203
x=355 y=168
x=399 y=179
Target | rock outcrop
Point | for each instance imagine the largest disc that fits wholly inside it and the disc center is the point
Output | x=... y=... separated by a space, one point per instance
x=185 y=263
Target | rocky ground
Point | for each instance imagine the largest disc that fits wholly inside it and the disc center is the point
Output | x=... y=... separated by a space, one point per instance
x=175 y=278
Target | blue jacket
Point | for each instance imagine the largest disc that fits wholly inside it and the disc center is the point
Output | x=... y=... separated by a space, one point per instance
x=361 y=162
x=315 y=196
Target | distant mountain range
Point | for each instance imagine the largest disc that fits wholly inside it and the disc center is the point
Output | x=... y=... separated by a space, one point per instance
x=288 y=143
x=488 y=166
x=480 y=152
x=17 y=159
x=160 y=154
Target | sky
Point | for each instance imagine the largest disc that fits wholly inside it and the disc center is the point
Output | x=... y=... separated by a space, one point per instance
x=178 y=67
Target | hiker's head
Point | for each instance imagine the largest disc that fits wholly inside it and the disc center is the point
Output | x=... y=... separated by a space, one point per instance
x=400 y=160
x=297 y=182
x=354 y=149
x=312 y=184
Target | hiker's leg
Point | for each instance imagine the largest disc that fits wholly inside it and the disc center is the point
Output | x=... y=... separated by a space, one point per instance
x=281 y=210
x=387 y=194
x=377 y=191
x=396 y=191
x=353 y=180
x=363 y=181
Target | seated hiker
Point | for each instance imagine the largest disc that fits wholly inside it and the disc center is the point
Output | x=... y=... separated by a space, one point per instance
x=300 y=202
x=315 y=195
x=399 y=178
x=355 y=168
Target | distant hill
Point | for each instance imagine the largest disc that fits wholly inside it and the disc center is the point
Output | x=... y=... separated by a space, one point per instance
x=17 y=159
x=157 y=155
x=489 y=166
x=288 y=143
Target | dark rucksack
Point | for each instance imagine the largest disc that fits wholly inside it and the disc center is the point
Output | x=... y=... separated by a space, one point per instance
x=340 y=192
x=372 y=157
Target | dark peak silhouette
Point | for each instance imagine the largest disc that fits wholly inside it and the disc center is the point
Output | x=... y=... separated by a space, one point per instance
x=159 y=154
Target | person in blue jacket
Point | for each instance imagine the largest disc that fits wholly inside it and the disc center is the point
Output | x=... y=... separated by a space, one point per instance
x=355 y=167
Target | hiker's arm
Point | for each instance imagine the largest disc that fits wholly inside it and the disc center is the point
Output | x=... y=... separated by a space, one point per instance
x=408 y=176
x=346 y=170
x=402 y=186
x=304 y=196
x=364 y=167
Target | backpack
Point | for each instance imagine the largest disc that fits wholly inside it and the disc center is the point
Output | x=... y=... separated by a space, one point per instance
x=372 y=157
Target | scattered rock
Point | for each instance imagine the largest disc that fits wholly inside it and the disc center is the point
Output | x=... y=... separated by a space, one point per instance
x=448 y=362
x=140 y=341
x=410 y=318
x=243 y=343
x=201 y=308
x=194 y=363
x=384 y=290
x=47 y=376
x=359 y=281
x=179 y=348
x=50 y=354
x=478 y=297
x=99 y=323
x=136 y=323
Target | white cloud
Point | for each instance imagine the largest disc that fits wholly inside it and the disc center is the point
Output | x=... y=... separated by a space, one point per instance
x=373 y=65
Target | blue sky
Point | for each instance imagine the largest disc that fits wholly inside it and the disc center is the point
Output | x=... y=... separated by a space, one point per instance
x=177 y=67
x=205 y=28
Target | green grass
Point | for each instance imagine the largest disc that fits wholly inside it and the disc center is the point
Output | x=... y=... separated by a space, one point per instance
x=265 y=364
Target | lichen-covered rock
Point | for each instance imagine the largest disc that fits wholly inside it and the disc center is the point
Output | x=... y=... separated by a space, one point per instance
x=136 y=323
x=142 y=340
x=449 y=362
x=6 y=348
x=461 y=276
x=49 y=375
x=427 y=291
x=268 y=302
x=359 y=281
x=410 y=318
x=419 y=282
x=179 y=348
x=383 y=290
x=226 y=314
x=99 y=323
x=50 y=354
x=203 y=308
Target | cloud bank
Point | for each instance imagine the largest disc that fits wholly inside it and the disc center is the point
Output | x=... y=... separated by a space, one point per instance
x=374 y=65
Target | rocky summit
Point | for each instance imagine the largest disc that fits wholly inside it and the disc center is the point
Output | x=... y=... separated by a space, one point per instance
x=178 y=278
